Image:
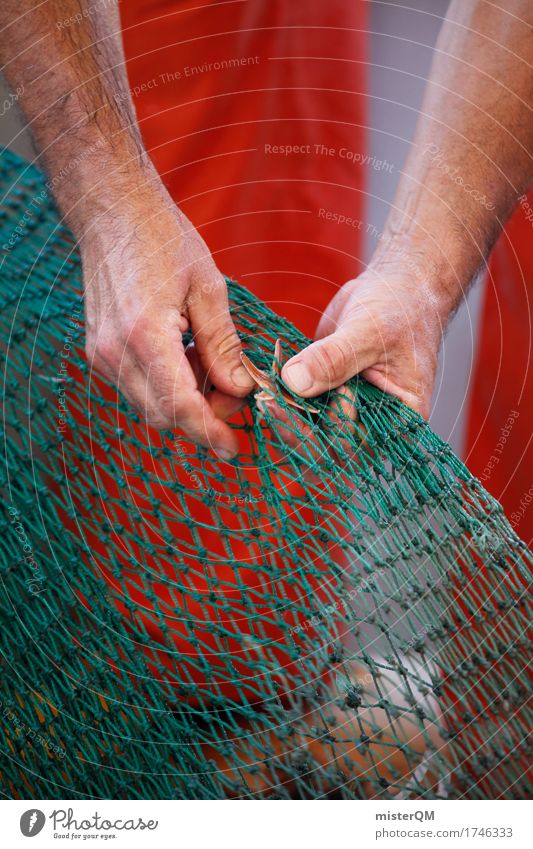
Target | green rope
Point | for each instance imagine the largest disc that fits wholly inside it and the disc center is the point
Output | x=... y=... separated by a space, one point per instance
x=346 y=619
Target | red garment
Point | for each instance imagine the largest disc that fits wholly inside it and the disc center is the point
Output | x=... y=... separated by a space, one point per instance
x=499 y=446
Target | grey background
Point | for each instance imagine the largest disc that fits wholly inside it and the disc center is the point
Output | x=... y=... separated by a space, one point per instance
x=402 y=38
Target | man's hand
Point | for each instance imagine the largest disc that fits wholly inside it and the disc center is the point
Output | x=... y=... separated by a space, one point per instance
x=148 y=277
x=470 y=160
x=382 y=325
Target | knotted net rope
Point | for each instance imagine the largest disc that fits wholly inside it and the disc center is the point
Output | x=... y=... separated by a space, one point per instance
x=345 y=618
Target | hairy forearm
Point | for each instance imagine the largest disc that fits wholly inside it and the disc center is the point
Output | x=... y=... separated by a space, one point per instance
x=66 y=56
x=472 y=155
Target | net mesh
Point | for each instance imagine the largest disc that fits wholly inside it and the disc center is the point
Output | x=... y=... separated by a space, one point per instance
x=345 y=617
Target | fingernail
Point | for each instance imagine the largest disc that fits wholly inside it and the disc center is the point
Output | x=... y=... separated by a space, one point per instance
x=241 y=378
x=224 y=454
x=298 y=377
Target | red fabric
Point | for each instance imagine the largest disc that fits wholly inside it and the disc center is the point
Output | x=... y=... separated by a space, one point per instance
x=212 y=134
x=499 y=446
x=265 y=217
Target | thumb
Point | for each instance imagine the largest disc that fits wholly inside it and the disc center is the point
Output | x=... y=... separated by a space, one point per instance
x=330 y=362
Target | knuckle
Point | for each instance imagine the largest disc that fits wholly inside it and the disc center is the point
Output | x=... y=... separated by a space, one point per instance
x=336 y=357
x=138 y=336
x=159 y=422
x=151 y=414
x=170 y=409
x=146 y=338
x=167 y=411
x=216 y=282
x=208 y=284
x=107 y=351
x=390 y=328
x=227 y=342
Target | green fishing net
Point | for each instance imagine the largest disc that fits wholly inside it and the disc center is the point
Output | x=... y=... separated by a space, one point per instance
x=339 y=615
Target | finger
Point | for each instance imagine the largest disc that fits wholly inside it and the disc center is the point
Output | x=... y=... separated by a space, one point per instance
x=198 y=420
x=413 y=391
x=217 y=341
x=342 y=411
x=182 y=405
x=291 y=429
x=337 y=429
x=224 y=406
x=159 y=382
x=347 y=433
x=169 y=390
x=202 y=380
x=132 y=384
x=341 y=433
x=294 y=439
x=331 y=361
x=340 y=421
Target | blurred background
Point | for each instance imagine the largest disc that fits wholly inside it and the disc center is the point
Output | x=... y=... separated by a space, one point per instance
x=402 y=40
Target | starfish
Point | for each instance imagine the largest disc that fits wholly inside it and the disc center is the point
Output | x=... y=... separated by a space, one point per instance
x=267 y=384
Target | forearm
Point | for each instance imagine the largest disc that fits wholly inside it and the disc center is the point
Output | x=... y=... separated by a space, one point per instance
x=148 y=275
x=67 y=57
x=472 y=155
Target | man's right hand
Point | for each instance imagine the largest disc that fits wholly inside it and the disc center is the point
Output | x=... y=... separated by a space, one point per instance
x=148 y=276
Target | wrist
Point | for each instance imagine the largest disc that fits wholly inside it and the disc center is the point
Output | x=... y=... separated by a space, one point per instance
x=104 y=187
x=438 y=274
